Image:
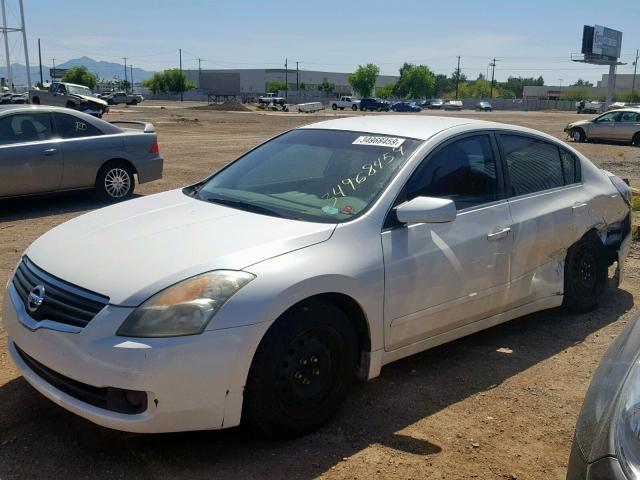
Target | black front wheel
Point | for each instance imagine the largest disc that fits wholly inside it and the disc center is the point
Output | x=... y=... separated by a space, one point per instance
x=302 y=370
x=585 y=274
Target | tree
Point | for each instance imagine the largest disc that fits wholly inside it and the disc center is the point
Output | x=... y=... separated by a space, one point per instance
x=364 y=79
x=171 y=80
x=156 y=83
x=582 y=83
x=326 y=86
x=415 y=81
x=517 y=84
x=275 y=86
x=123 y=85
x=386 y=91
x=81 y=76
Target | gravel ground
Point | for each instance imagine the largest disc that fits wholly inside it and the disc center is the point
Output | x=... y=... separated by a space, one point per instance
x=499 y=404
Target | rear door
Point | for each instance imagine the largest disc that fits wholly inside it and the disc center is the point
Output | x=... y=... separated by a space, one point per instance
x=30 y=159
x=442 y=276
x=549 y=208
x=628 y=126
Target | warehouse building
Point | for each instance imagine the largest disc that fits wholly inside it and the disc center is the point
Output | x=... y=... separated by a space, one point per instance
x=254 y=81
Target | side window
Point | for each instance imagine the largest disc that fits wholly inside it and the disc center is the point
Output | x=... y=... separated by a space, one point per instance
x=534 y=165
x=609 y=117
x=630 y=117
x=464 y=171
x=570 y=167
x=69 y=126
x=25 y=127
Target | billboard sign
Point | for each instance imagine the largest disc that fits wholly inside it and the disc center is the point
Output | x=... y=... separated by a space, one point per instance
x=601 y=43
x=56 y=73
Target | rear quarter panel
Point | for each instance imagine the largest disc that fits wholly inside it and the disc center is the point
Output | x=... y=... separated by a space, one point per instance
x=83 y=157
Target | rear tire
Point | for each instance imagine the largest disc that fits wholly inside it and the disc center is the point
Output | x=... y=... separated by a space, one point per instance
x=635 y=141
x=35 y=100
x=585 y=274
x=115 y=181
x=302 y=370
x=334 y=107
x=354 y=107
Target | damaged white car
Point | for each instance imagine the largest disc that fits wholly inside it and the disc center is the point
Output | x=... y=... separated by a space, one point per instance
x=260 y=293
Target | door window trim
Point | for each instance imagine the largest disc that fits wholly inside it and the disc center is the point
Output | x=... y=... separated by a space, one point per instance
x=390 y=222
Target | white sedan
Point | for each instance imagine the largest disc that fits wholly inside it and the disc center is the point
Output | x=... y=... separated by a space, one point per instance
x=260 y=293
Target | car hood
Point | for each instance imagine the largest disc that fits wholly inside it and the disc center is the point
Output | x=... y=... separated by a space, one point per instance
x=578 y=123
x=131 y=250
x=89 y=98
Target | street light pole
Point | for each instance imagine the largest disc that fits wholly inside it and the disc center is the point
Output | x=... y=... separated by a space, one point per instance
x=633 y=82
x=457 y=76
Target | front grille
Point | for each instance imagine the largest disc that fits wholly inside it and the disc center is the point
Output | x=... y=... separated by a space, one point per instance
x=63 y=302
x=108 y=398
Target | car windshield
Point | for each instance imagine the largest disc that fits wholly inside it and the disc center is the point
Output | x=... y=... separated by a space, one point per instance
x=79 y=90
x=327 y=176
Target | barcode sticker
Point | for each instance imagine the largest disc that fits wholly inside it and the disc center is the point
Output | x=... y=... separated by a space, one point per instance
x=391 y=142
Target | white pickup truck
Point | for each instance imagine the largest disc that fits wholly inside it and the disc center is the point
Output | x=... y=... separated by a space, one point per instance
x=122 y=97
x=69 y=95
x=346 y=102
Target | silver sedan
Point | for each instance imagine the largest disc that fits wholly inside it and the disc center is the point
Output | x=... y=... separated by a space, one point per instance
x=617 y=126
x=48 y=149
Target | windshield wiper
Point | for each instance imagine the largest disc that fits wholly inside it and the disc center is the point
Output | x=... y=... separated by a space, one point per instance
x=241 y=205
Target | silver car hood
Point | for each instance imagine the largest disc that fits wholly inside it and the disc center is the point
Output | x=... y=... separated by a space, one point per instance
x=131 y=250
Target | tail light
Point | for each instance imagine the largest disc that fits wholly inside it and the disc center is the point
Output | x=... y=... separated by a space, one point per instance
x=623 y=188
x=154 y=148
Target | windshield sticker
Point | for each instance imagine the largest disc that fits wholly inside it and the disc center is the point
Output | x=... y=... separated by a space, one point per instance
x=329 y=210
x=391 y=142
x=347 y=209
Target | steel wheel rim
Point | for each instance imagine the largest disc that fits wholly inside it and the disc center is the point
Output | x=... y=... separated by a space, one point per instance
x=117 y=182
x=308 y=369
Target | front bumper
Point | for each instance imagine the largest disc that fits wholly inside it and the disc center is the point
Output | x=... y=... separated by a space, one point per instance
x=606 y=468
x=192 y=382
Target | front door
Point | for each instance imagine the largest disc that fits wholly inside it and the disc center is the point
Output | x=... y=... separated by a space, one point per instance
x=439 y=277
x=30 y=160
x=604 y=127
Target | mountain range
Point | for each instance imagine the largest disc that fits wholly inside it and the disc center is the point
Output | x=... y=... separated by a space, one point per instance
x=103 y=70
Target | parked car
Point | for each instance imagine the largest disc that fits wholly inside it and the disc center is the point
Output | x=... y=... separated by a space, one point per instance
x=406 y=107
x=622 y=125
x=116 y=98
x=453 y=105
x=348 y=101
x=435 y=104
x=49 y=149
x=584 y=106
x=484 y=107
x=605 y=444
x=257 y=294
x=374 y=105
x=5 y=98
x=19 y=98
x=69 y=95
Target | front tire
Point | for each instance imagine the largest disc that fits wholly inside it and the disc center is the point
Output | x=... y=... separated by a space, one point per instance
x=354 y=107
x=334 y=107
x=302 y=370
x=115 y=182
x=585 y=274
x=635 y=141
x=578 y=136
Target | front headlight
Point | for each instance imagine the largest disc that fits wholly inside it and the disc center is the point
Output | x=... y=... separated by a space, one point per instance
x=627 y=428
x=186 y=307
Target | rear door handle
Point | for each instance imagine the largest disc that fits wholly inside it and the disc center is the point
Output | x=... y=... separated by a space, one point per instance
x=497 y=235
x=578 y=206
x=49 y=151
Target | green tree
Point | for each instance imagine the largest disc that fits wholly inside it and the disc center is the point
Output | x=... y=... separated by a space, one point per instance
x=156 y=83
x=415 y=81
x=81 y=76
x=176 y=81
x=517 y=84
x=123 y=85
x=275 y=86
x=326 y=86
x=364 y=79
x=386 y=91
x=576 y=93
x=582 y=83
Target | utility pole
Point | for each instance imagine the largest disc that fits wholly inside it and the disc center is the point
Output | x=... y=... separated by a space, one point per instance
x=40 y=62
x=131 y=76
x=24 y=44
x=199 y=70
x=457 y=76
x=181 y=86
x=297 y=79
x=493 y=70
x=125 y=73
x=53 y=60
x=5 y=32
x=633 y=82
x=286 y=79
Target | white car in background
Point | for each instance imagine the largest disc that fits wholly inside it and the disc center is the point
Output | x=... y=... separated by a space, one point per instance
x=260 y=293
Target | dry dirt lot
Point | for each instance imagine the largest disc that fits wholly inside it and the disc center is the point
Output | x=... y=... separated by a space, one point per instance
x=498 y=404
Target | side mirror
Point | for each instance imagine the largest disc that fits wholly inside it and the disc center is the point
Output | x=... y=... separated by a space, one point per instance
x=427 y=210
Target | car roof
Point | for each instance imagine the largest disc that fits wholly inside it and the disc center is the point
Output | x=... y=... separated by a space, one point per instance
x=420 y=127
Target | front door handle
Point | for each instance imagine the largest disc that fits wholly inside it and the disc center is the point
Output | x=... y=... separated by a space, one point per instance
x=499 y=233
x=578 y=206
x=49 y=151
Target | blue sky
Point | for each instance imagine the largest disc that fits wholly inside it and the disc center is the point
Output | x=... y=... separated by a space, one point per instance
x=529 y=38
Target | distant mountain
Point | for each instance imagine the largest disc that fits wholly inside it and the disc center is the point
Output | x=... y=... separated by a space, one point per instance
x=103 y=70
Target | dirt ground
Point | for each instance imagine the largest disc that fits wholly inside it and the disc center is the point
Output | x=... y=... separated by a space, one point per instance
x=499 y=404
